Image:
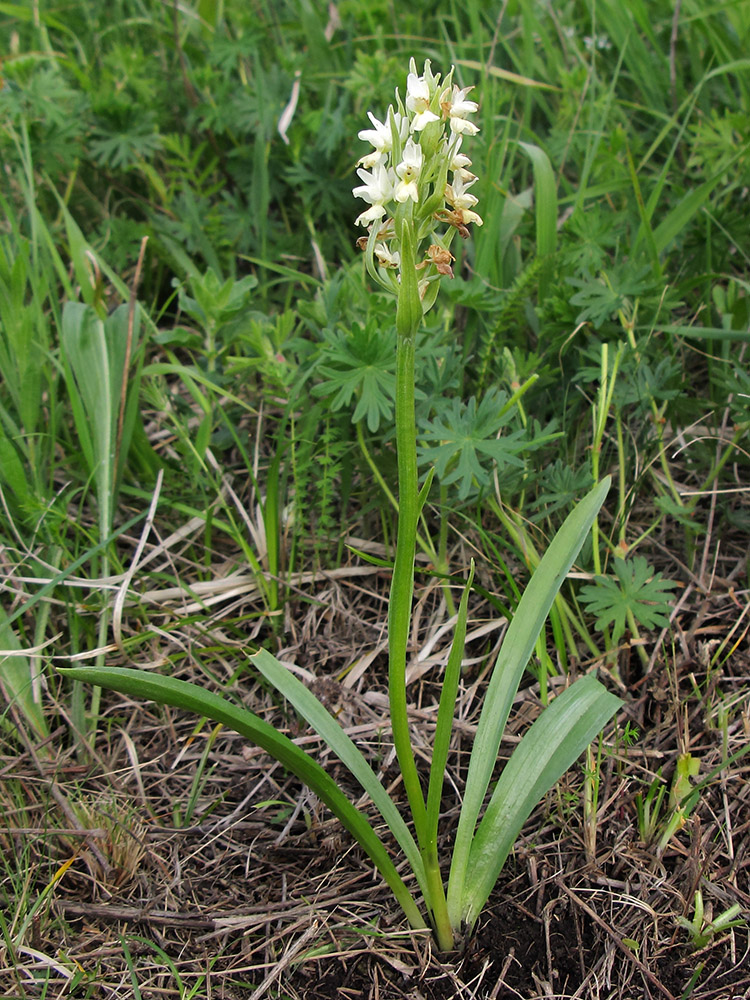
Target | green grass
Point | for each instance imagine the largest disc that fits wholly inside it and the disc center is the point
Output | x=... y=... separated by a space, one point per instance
x=608 y=279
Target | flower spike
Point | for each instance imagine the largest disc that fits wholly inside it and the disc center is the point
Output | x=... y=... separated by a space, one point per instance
x=417 y=175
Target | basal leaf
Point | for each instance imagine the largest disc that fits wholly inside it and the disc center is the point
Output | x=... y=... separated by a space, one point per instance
x=637 y=590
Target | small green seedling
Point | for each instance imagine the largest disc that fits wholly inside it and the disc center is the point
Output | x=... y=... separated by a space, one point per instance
x=681 y=798
x=648 y=808
x=702 y=929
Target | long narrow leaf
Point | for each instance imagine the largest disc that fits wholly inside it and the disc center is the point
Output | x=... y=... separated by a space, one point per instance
x=318 y=717
x=87 y=358
x=519 y=642
x=705 y=332
x=681 y=215
x=553 y=743
x=17 y=679
x=545 y=197
x=446 y=711
x=190 y=697
x=436 y=898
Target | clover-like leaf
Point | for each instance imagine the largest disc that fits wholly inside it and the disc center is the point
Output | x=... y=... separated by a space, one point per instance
x=360 y=364
x=637 y=591
x=460 y=440
x=600 y=297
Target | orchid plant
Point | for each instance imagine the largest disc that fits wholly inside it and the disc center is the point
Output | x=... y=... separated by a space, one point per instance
x=416 y=183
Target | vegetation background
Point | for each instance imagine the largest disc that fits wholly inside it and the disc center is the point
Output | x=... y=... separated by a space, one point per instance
x=196 y=458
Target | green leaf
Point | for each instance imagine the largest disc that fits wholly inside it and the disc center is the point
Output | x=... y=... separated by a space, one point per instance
x=463 y=436
x=638 y=591
x=94 y=355
x=678 y=218
x=16 y=679
x=601 y=297
x=545 y=194
x=93 y=395
x=518 y=644
x=317 y=716
x=122 y=145
x=360 y=364
x=552 y=744
x=13 y=470
x=190 y=697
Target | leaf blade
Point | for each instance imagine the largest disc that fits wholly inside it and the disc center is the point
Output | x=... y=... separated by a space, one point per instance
x=317 y=716
x=552 y=744
x=184 y=695
x=17 y=679
x=518 y=644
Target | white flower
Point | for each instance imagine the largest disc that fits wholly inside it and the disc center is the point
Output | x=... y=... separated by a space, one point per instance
x=597 y=42
x=403 y=165
x=463 y=201
x=468 y=217
x=463 y=127
x=457 y=195
x=376 y=190
x=456 y=104
x=369 y=215
x=456 y=108
x=460 y=161
x=381 y=137
x=418 y=101
x=408 y=171
x=385 y=257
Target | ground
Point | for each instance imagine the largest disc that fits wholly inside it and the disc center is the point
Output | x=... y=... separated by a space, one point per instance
x=191 y=865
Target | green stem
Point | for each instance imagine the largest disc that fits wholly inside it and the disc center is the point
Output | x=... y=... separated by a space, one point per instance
x=437 y=902
x=410 y=503
x=408 y=316
x=633 y=626
x=721 y=462
x=622 y=485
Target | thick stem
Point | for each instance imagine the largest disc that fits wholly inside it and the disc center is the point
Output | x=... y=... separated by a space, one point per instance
x=437 y=902
x=408 y=315
x=408 y=318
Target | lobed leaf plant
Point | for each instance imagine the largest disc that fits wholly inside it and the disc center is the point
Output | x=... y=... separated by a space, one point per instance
x=414 y=211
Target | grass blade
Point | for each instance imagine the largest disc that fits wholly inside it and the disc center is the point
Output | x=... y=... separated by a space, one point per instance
x=17 y=679
x=191 y=698
x=93 y=390
x=545 y=196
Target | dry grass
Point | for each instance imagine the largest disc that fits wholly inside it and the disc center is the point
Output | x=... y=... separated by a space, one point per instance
x=174 y=860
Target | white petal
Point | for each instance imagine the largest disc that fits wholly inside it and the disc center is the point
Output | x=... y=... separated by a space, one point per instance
x=406 y=190
x=471 y=217
x=370 y=160
x=375 y=139
x=370 y=215
x=463 y=127
x=422 y=120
